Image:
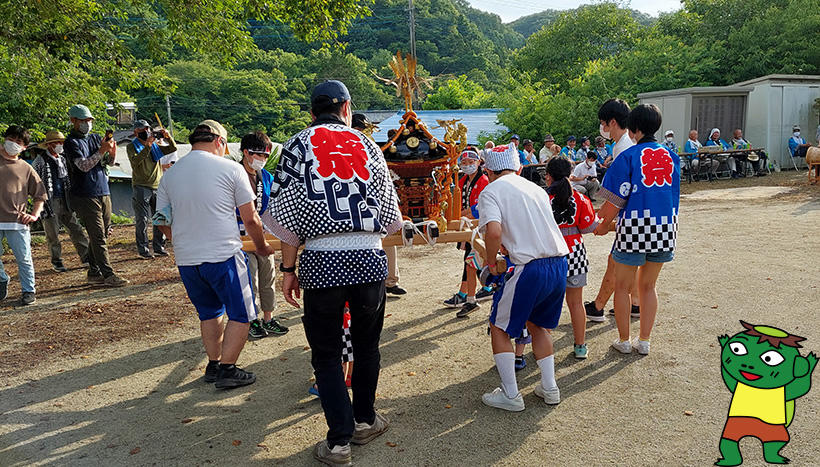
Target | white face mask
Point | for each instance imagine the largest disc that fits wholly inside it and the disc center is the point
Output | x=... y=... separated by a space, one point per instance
x=12 y=148
x=669 y=139
x=469 y=169
x=58 y=149
x=85 y=127
x=796 y=134
x=605 y=134
x=257 y=165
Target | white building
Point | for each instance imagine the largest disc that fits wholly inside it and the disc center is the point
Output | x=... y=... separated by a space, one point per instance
x=764 y=108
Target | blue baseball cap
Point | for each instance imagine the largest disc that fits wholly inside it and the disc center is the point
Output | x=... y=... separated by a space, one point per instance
x=571 y=138
x=515 y=137
x=331 y=90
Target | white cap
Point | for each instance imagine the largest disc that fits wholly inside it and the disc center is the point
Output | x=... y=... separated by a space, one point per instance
x=504 y=157
x=669 y=132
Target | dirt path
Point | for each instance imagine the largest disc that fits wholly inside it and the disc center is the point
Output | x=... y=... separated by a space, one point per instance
x=139 y=400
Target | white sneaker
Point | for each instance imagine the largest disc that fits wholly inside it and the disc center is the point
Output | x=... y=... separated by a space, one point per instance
x=550 y=396
x=623 y=347
x=641 y=346
x=499 y=400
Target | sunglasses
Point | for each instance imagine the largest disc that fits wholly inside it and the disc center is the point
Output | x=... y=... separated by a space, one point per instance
x=259 y=153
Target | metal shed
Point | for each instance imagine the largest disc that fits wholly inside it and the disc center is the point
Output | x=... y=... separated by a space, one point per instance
x=765 y=108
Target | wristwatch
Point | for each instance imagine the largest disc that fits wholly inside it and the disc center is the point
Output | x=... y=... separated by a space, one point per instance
x=284 y=269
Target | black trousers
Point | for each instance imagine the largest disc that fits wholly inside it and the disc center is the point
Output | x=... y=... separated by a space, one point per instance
x=324 y=313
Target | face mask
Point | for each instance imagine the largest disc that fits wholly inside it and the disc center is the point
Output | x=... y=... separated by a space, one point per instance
x=85 y=127
x=605 y=134
x=257 y=165
x=12 y=148
x=143 y=135
x=469 y=169
x=669 y=139
x=796 y=134
x=58 y=149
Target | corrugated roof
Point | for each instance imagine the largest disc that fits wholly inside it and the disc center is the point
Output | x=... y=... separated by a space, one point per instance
x=720 y=90
x=476 y=121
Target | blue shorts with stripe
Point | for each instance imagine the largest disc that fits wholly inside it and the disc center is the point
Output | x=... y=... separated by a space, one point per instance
x=218 y=288
x=531 y=292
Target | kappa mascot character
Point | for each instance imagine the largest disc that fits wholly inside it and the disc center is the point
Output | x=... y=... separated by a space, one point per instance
x=765 y=372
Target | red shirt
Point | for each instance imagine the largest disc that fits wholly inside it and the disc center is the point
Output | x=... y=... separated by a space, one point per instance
x=473 y=190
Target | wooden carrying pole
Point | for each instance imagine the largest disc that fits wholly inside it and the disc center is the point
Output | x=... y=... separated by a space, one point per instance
x=390 y=240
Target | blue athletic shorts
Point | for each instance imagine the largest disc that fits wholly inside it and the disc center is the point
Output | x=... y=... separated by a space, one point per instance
x=217 y=288
x=531 y=292
x=639 y=259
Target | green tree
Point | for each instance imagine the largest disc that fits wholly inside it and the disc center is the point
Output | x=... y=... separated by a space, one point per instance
x=560 y=51
x=54 y=53
x=459 y=93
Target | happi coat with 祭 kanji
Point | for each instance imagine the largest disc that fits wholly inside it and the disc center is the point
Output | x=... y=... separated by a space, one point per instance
x=644 y=183
x=579 y=219
x=332 y=180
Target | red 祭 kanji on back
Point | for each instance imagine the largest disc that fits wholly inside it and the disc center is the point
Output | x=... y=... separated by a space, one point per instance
x=340 y=154
x=657 y=167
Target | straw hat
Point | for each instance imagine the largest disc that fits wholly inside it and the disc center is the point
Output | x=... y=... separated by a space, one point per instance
x=53 y=136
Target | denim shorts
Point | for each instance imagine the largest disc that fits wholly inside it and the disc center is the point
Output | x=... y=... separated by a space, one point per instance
x=639 y=259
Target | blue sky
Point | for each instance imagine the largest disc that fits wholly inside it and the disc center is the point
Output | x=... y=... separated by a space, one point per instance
x=510 y=10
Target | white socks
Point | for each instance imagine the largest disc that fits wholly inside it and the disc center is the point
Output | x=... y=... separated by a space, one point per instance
x=471 y=299
x=505 y=362
x=547 y=366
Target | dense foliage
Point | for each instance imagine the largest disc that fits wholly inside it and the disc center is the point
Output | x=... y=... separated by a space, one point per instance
x=252 y=63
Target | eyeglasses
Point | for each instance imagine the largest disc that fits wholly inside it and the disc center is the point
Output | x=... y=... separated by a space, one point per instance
x=259 y=153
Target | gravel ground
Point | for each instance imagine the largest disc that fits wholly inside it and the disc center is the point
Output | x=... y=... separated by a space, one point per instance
x=140 y=401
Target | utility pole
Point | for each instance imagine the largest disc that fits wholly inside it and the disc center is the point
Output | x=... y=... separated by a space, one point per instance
x=412 y=29
x=170 y=121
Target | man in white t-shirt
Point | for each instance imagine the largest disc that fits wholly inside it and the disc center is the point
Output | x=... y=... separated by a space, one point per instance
x=612 y=116
x=516 y=217
x=197 y=200
x=584 y=177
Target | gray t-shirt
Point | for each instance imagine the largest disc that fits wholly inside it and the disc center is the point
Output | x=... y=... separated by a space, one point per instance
x=203 y=191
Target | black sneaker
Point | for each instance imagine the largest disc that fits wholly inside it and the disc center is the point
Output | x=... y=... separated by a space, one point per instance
x=95 y=278
x=273 y=327
x=257 y=331
x=635 y=313
x=231 y=376
x=594 y=314
x=211 y=372
x=146 y=255
x=4 y=290
x=467 y=309
x=59 y=266
x=27 y=298
x=395 y=290
x=456 y=301
x=484 y=294
x=160 y=253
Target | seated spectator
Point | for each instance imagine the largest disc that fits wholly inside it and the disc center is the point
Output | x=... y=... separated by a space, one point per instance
x=797 y=144
x=692 y=145
x=604 y=156
x=669 y=141
x=522 y=158
x=549 y=150
x=529 y=152
x=568 y=152
x=715 y=140
x=738 y=142
x=581 y=152
x=584 y=178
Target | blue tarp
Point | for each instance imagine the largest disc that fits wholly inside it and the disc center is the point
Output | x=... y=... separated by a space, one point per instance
x=476 y=121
